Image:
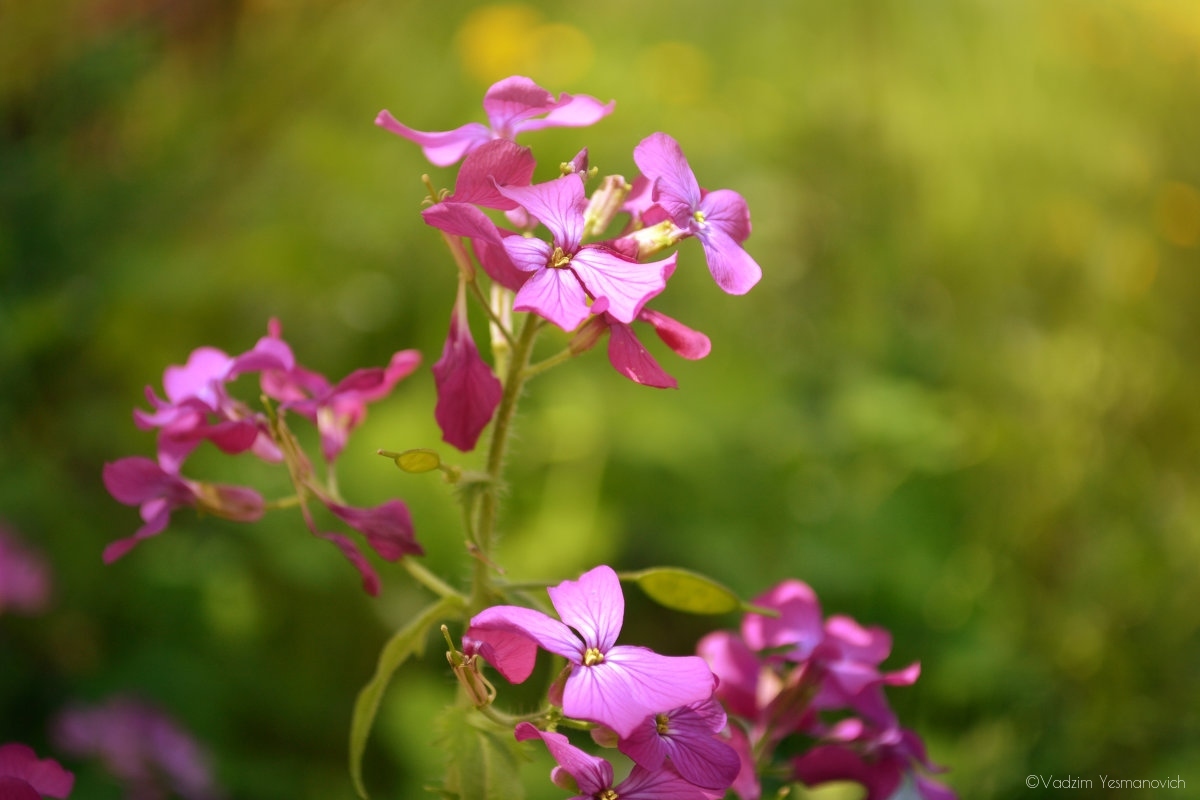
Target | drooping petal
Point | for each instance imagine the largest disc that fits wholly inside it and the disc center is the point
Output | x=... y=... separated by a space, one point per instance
x=676 y=190
x=593 y=605
x=687 y=736
x=136 y=479
x=630 y=358
x=689 y=343
x=388 y=528
x=592 y=774
x=442 y=148
x=624 y=284
x=370 y=579
x=631 y=684
x=731 y=267
x=468 y=392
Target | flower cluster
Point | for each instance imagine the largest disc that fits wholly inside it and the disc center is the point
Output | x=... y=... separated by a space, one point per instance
x=660 y=711
x=571 y=275
x=786 y=676
x=199 y=407
x=140 y=746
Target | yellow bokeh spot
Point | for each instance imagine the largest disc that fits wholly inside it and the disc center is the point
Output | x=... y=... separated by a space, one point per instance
x=497 y=41
x=1177 y=213
x=675 y=73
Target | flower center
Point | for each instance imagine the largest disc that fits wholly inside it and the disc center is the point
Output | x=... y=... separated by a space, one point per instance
x=662 y=724
x=591 y=657
x=559 y=258
x=607 y=794
x=698 y=216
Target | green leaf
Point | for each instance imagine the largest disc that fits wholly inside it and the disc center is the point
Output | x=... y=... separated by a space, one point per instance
x=482 y=763
x=406 y=642
x=683 y=590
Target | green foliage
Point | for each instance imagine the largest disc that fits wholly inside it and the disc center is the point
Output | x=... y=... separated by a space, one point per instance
x=684 y=590
x=482 y=761
x=407 y=642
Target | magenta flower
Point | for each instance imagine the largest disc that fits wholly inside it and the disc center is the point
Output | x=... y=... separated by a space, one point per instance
x=467 y=389
x=199 y=408
x=614 y=685
x=591 y=777
x=630 y=358
x=513 y=106
x=24 y=777
x=139 y=745
x=24 y=576
x=720 y=219
x=880 y=760
x=138 y=481
x=568 y=280
x=338 y=409
x=687 y=737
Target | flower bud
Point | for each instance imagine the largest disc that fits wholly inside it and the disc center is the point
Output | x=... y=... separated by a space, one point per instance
x=604 y=204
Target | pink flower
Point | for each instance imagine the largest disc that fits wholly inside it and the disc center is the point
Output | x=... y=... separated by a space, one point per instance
x=614 y=685
x=720 y=219
x=513 y=105
x=198 y=407
x=467 y=389
x=137 y=481
x=630 y=358
x=687 y=737
x=591 y=777
x=336 y=409
x=880 y=760
x=140 y=746
x=568 y=281
x=24 y=777
x=24 y=576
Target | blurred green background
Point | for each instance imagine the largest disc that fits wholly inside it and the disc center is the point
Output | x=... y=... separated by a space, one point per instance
x=961 y=404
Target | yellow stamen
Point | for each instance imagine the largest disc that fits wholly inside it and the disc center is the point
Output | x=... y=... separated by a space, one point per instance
x=592 y=656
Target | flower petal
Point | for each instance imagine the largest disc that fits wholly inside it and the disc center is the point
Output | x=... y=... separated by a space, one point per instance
x=555 y=294
x=468 y=392
x=676 y=190
x=731 y=267
x=593 y=605
x=626 y=285
x=630 y=358
x=592 y=774
x=442 y=148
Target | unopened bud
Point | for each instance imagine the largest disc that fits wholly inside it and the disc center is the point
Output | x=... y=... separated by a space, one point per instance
x=466 y=670
x=604 y=204
x=654 y=238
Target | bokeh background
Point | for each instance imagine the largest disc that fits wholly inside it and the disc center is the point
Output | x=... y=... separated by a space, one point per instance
x=961 y=404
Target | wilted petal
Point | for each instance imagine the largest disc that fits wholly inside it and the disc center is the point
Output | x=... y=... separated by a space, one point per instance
x=388 y=528
x=350 y=550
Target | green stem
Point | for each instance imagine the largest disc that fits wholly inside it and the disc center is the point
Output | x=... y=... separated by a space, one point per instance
x=489 y=501
x=427 y=579
x=553 y=361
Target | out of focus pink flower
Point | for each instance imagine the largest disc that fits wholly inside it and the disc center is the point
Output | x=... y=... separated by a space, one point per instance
x=24 y=777
x=139 y=745
x=24 y=576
